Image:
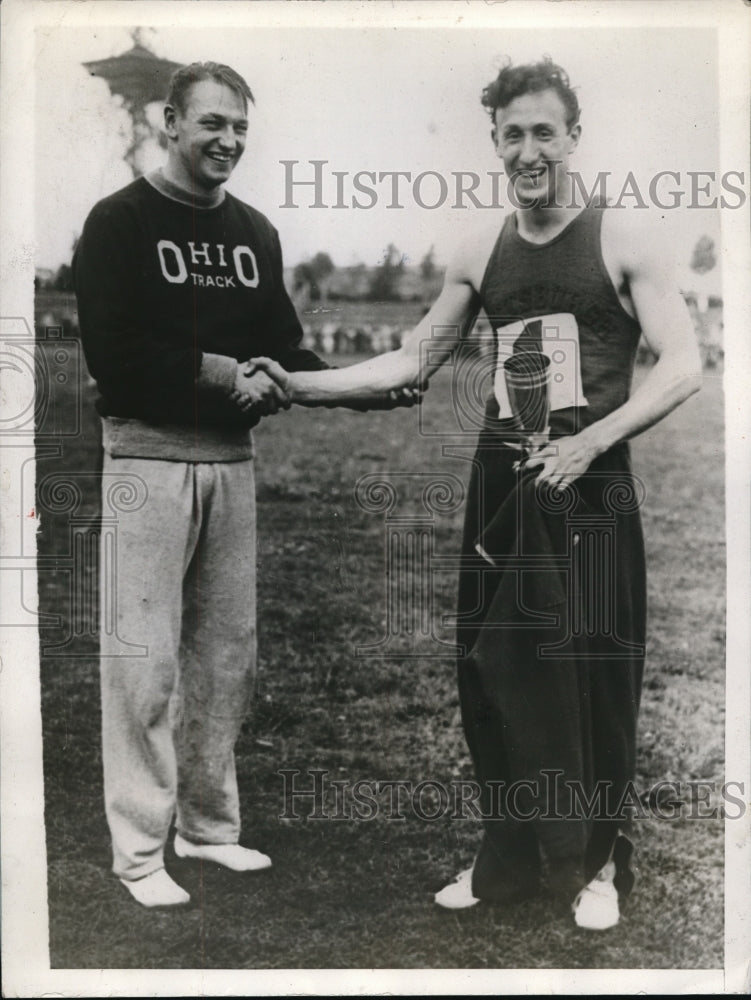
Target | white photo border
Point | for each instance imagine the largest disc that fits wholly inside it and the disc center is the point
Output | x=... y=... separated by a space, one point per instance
x=24 y=899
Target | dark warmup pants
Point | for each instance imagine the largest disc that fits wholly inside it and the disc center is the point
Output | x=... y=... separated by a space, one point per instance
x=553 y=639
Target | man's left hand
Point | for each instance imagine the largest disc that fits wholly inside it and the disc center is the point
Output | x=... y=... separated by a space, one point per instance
x=563 y=460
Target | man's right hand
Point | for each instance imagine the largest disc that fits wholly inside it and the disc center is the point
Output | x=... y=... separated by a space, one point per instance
x=255 y=390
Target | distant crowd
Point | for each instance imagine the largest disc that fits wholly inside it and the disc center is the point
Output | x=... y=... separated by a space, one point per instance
x=56 y=309
x=365 y=338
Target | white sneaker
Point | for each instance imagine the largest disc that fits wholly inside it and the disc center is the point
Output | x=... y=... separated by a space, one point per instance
x=457 y=895
x=156 y=889
x=238 y=859
x=596 y=906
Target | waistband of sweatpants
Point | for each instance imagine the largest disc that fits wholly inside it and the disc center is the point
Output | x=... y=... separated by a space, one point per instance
x=128 y=438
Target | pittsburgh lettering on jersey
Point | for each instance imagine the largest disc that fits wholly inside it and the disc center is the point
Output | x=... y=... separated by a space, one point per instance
x=173 y=263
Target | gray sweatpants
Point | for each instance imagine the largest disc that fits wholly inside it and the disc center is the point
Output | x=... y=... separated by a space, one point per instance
x=183 y=573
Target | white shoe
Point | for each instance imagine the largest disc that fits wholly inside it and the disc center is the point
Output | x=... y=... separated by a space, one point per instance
x=156 y=889
x=596 y=906
x=457 y=895
x=239 y=859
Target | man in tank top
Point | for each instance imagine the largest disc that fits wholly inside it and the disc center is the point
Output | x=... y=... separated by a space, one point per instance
x=552 y=620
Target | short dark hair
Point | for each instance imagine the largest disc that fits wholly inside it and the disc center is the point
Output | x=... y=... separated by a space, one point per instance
x=514 y=81
x=184 y=78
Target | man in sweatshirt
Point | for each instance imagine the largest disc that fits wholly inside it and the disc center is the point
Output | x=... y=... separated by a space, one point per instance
x=178 y=282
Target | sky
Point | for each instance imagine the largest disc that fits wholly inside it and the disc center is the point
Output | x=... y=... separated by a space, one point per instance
x=387 y=99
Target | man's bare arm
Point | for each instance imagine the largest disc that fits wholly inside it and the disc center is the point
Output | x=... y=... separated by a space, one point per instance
x=377 y=380
x=668 y=330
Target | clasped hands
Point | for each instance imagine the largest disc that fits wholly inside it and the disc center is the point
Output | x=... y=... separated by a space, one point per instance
x=264 y=387
x=261 y=387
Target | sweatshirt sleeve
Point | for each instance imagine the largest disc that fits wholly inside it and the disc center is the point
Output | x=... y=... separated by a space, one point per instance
x=137 y=371
x=284 y=333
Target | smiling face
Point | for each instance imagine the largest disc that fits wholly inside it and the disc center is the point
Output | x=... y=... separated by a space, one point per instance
x=533 y=140
x=207 y=137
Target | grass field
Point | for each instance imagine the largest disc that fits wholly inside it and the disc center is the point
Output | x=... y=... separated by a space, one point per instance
x=354 y=894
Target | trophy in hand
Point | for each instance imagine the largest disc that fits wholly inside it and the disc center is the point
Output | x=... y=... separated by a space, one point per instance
x=527 y=376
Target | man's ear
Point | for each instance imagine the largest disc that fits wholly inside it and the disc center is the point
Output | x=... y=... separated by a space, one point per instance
x=574 y=136
x=494 y=137
x=170 y=121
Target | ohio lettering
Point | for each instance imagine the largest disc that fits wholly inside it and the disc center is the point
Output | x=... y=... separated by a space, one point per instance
x=241 y=260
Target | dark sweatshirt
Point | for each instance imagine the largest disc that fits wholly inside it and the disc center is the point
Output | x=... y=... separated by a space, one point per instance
x=170 y=296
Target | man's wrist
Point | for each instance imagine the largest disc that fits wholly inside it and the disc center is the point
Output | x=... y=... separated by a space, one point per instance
x=294 y=387
x=217 y=373
x=598 y=439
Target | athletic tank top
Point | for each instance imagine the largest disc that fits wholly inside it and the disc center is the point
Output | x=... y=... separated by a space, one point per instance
x=557 y=298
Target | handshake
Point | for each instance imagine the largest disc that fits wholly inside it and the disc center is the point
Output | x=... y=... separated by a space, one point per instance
x=263 y=387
